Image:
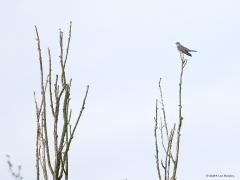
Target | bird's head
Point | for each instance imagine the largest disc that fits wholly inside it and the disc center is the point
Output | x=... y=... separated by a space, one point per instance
x=177 y=43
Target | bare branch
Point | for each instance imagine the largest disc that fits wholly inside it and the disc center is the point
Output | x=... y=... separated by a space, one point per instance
x=180 y=118
x=156 y=141
x=169 y=164
x=68 y=44
x=60 y=112
x=163 y=107
x=50 y=81
x=15 y=174
x=75 y=126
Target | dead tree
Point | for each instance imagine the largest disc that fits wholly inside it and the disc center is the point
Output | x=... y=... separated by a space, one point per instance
x=167 y=141
x=53 y=110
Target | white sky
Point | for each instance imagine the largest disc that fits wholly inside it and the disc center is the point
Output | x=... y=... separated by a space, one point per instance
x=121 y=48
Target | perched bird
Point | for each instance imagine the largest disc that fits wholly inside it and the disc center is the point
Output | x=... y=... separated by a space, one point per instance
x=183 y=49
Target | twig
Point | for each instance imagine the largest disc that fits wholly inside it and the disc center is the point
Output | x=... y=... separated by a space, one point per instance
x=156 y=141
x=16 y=175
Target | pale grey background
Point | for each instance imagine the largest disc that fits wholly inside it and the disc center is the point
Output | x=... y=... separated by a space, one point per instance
x=121 y=48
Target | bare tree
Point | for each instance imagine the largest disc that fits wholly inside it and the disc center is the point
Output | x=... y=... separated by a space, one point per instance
x=168 y=147
x=54 y=107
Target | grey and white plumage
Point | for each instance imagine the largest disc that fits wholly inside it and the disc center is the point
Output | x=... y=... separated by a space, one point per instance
x=183 y=49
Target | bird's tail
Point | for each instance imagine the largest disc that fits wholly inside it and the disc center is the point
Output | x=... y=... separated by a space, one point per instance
x=192 y=51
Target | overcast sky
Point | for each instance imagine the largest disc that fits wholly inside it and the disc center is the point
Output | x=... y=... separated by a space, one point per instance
x=121 y=49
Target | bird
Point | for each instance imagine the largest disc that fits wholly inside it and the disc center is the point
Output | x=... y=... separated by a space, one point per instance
x=183 y=49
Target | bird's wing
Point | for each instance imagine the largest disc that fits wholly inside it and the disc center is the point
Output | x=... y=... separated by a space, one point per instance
x=187 y=53
x=184 y=50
